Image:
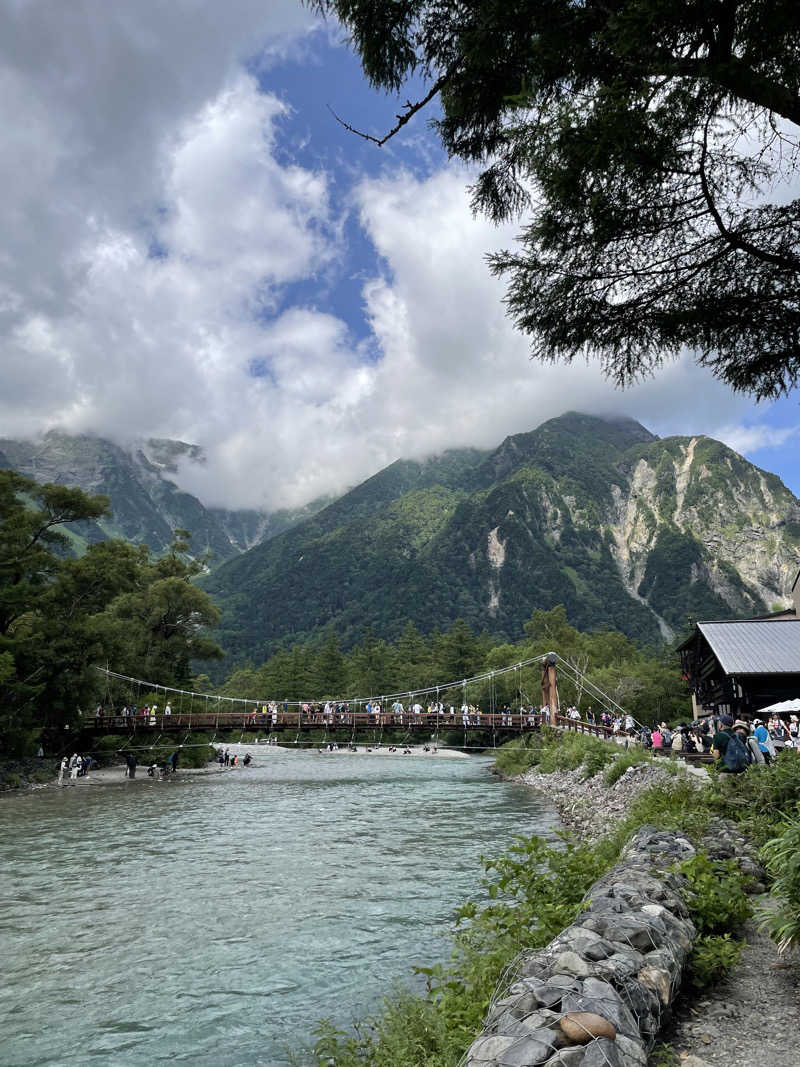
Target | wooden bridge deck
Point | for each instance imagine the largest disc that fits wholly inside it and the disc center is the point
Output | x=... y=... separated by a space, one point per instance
x=301 y=722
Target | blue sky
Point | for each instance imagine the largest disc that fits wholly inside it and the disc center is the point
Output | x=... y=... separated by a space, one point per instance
x=194 y=248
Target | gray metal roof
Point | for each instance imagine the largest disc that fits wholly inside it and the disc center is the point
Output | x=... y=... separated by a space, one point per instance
x=755 y=647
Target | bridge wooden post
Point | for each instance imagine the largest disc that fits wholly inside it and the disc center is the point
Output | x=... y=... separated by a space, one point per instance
x=550 y=686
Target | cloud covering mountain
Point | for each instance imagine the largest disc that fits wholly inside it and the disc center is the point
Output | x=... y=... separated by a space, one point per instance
x=193 y=249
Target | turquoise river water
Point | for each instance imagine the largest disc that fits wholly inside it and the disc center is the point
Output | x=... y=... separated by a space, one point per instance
x=213 y=920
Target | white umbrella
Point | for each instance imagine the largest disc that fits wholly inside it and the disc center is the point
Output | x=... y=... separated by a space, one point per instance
x=783 y=708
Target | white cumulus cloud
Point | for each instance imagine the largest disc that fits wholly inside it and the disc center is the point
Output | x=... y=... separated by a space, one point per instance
x=157 y=226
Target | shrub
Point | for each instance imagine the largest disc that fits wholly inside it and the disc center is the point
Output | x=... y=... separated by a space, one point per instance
x=713 y=956
x=715 y=895
x=758 y=799
x=409 y=1030
x=663 y=1056
x=598 y=758
x=631 y=758
x=782 y=858
x=568 y=751
x=517 y=756
x=675 y=805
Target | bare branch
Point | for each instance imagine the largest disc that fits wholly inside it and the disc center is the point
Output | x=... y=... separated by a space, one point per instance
x=410 y=110
x=734 y=239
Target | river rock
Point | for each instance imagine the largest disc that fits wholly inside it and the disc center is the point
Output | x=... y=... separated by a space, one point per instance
x=581 y=1026
x=602 y=1053
x=658 y=980
x=571 y=963
x=567 y=1057
x=549 y=995
x=632 y=1052
x=527 y=1051
x=487 y=1049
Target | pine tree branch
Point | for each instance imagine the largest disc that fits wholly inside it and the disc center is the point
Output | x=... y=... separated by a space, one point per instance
x=402 y=119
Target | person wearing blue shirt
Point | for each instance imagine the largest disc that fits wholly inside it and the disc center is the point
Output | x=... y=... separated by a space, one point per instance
x=761 y=734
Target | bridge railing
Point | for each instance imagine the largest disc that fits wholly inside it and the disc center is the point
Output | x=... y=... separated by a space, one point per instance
x=293 y=719
x=298 y=719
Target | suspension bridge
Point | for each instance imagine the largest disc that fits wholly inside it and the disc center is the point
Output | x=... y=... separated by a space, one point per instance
x=468 y=705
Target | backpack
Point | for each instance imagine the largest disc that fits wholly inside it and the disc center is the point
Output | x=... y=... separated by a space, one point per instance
x=754 y=749
x=736 y=757
x=666 y=739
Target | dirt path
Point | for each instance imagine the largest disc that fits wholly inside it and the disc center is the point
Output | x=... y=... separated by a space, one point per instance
x=752 y=1019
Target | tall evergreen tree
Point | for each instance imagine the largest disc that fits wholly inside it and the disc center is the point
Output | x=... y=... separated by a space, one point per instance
x=651 y=146
x=327 y=674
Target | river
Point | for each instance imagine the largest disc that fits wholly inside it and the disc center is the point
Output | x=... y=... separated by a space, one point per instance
x=213 y=920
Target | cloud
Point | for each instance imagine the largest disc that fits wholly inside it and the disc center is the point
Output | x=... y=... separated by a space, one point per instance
x=158 y=232
x=748 y=439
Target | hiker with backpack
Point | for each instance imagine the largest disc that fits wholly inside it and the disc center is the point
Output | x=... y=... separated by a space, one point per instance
x=754 y=753
x=728 y=748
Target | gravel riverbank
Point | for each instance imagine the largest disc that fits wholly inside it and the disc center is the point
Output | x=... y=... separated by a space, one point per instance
x=746 y=1020
x=591 y=808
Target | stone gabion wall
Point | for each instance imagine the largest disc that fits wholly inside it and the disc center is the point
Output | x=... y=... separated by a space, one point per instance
x=596 y=995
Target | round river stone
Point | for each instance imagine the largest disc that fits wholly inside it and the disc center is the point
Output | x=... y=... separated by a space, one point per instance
x=582 y=1026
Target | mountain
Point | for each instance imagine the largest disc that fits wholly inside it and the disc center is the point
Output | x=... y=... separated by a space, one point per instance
x=627 y=530
x=147 y=504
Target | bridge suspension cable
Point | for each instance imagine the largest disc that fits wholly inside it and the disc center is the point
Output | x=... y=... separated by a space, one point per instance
x=485 y=677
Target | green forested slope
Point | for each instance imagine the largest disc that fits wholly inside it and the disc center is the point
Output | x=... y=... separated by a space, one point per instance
x=629 y=532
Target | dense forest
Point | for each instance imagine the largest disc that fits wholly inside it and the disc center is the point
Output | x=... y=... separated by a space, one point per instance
x=60 y=616
x=645 y=682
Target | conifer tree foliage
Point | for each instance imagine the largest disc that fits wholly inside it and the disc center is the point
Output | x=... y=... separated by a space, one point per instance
x=649 y=146
x=60 y=615
x=645 y=682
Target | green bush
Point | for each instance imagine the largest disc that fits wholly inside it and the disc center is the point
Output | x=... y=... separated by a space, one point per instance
x=713 y=956
x=758 y=799
x=675 y=805
x=598 y=758
x=410 y=1030
x=568 y=751
x=631 y=758
x=663 y=1056
x=715 y=895
x=12 y=781
x=517 y=756
x=782 y=858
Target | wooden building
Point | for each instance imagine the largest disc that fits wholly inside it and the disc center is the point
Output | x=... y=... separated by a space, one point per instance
x=736 y=667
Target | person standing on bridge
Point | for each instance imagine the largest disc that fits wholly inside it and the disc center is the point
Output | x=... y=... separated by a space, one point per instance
x=168 y=709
